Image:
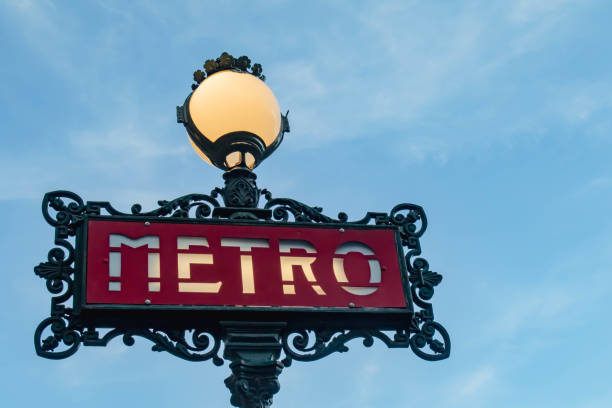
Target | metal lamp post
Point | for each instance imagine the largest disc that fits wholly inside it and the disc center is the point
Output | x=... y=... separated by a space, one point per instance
x=274 y=284
x=234 y=122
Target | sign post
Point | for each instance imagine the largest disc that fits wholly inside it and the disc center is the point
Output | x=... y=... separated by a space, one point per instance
x=269 y=284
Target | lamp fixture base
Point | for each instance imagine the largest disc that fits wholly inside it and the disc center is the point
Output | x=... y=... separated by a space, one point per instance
x=240 y=189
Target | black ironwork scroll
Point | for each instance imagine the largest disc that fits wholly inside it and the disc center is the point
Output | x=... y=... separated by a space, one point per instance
x=61 y=334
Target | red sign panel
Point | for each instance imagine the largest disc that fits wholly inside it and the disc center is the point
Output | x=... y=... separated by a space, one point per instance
x=161 y=263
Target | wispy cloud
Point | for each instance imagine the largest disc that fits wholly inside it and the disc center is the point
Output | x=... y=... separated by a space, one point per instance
x=527 y=308
x=27 y=177
x=40 y=26
x=584 y=103
x=125 y=146
x=399 y=70
x=366 y=375
x=553 y=299
x=599 y=183
x=603 y=400
x=525 y=11
x=413 y=67
x=473 y=384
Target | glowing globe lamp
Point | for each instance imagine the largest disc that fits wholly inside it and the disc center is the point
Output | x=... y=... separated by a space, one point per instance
x=232 y=117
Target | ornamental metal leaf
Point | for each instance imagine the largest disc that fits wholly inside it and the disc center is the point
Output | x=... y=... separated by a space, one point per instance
x=227 y=62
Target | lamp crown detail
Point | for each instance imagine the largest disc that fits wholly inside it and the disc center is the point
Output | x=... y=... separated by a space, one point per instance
x=227 y=62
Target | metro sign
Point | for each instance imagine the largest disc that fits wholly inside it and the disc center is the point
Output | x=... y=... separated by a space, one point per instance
x=156 y=263
x=192 y=276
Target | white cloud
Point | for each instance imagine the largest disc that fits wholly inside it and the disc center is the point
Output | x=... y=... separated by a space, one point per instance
x=526 y=308
x=25 y=177
x=414 y=65
x=474 y=384
x=603 y=400
x=411 y=59
x=556 y=298
x=599 y=183
x=41 y=29
x=422 y=62
x=300 y=80
x=526 y=11
x=126 y=146
x=112 y=148
x=366 y=378
x=421 y=149
x=582 y=101
x=96 y=365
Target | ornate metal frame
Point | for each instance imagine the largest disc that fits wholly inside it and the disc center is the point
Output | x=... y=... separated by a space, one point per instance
x=61 y=334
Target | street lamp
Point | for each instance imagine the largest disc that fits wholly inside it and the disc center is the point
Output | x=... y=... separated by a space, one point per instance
x=233 y=122
x=282 y=279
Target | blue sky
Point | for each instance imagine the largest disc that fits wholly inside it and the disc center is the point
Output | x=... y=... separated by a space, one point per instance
x=495 y=116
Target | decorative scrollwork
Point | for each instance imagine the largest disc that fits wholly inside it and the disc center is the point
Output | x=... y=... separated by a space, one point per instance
x=69 y=216
x=179 y=207
x=425 y=336
x=204 y=345
x=61 y=332
x=282 y=207
x=310 y=345
x=58 y=270
x=65 y=210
